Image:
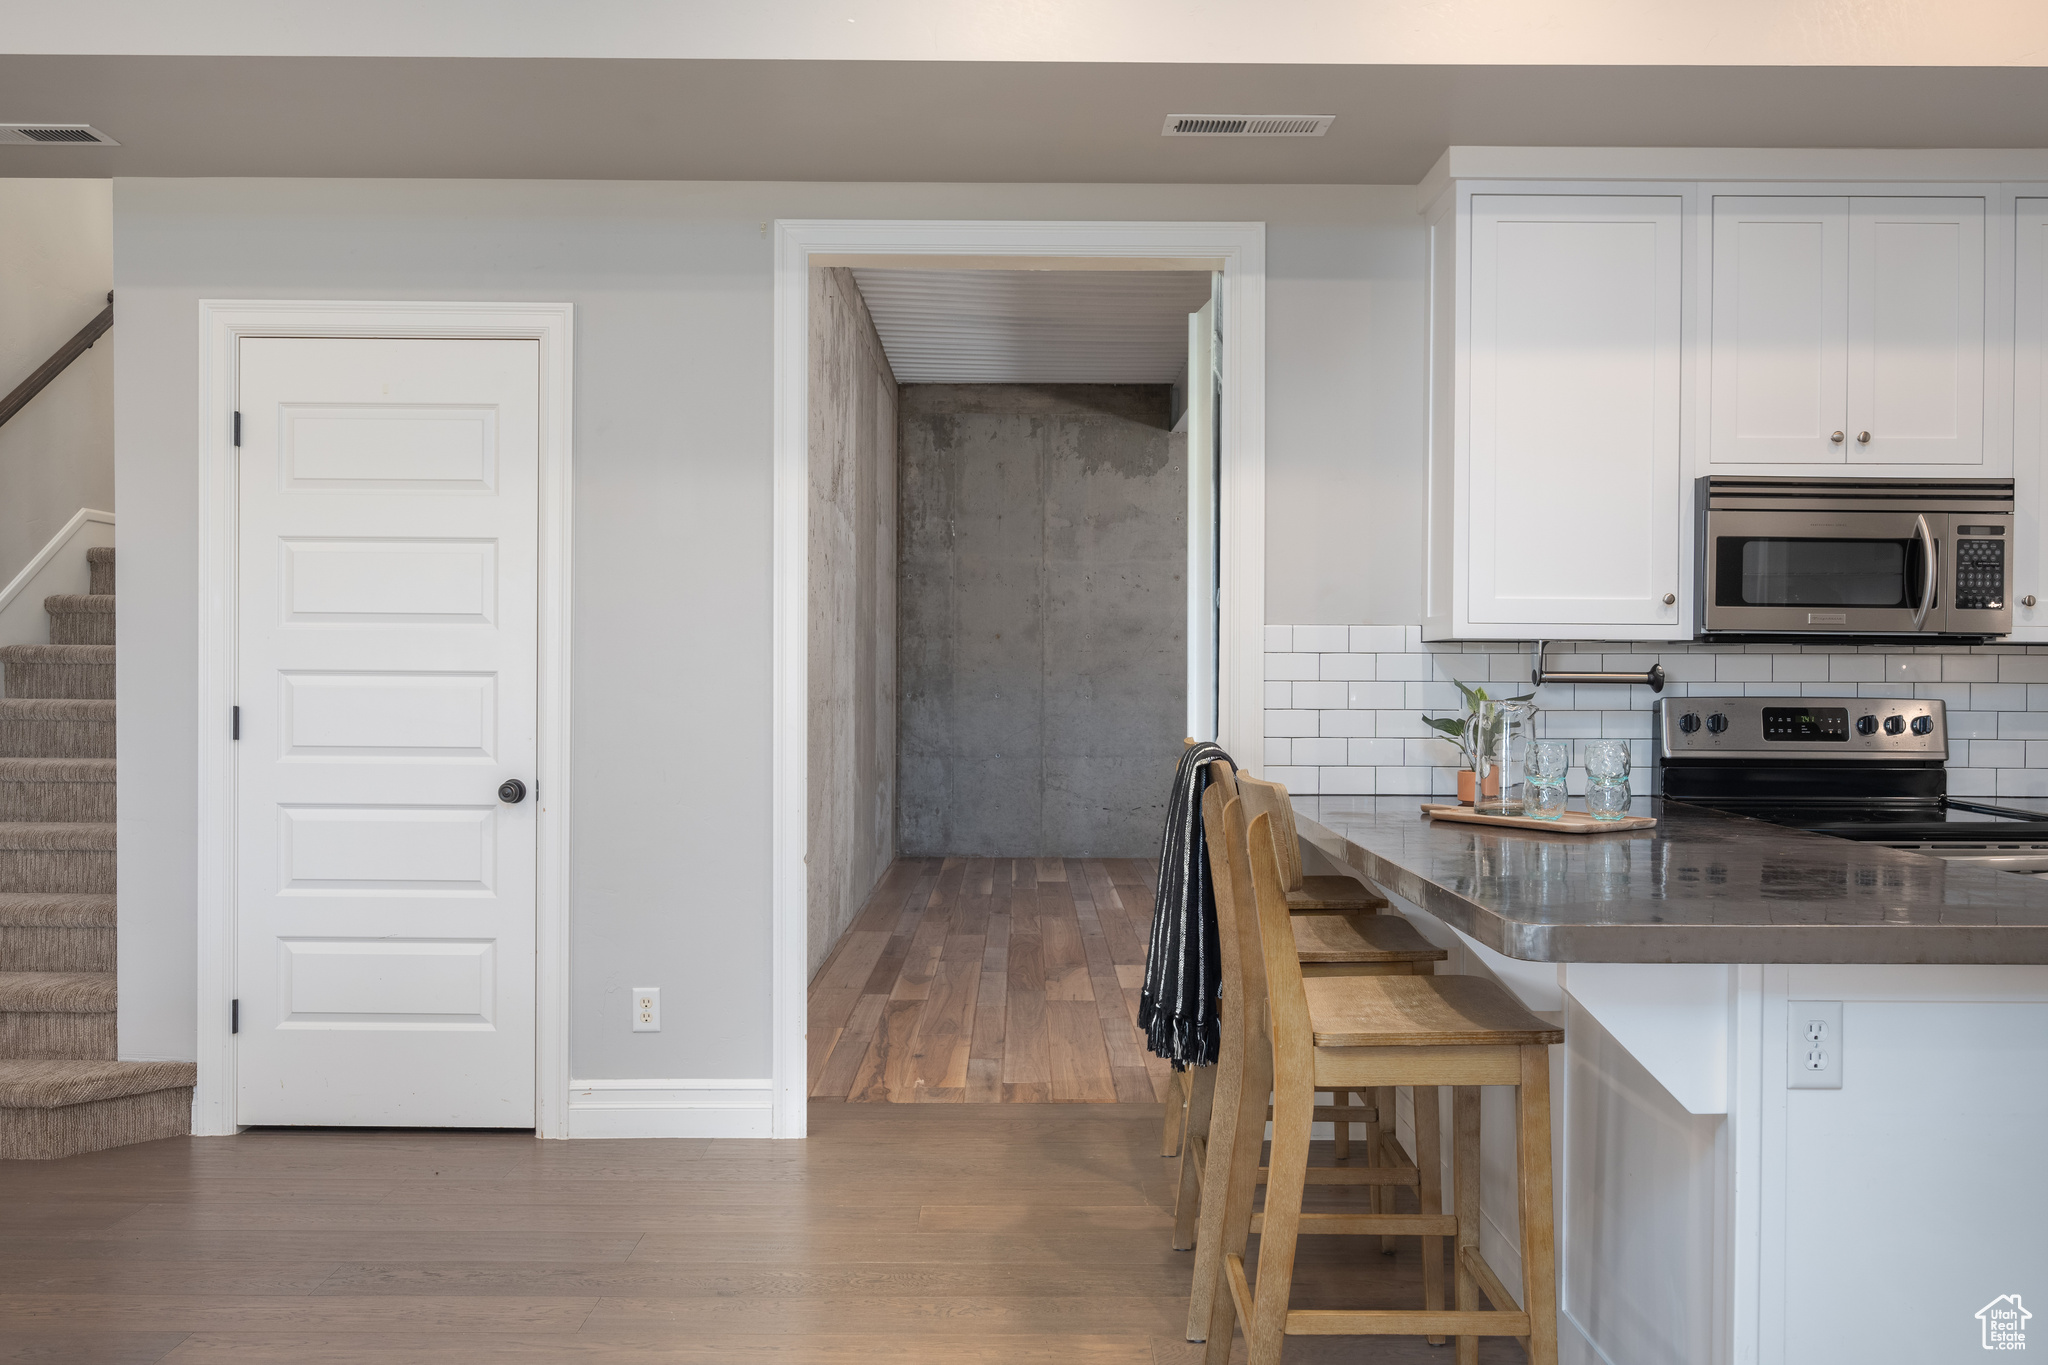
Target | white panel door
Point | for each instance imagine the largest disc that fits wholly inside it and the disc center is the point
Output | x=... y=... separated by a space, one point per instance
x=1575 y=411
x=1916 y=331
x=1780 y=330
x=386 y=677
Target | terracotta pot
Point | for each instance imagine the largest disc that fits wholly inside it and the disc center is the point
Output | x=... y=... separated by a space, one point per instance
x=1468 y=786
x=1493 y=781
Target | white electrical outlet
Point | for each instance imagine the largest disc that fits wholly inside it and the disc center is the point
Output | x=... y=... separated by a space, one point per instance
x=647 y=1009
x=1813 y=1045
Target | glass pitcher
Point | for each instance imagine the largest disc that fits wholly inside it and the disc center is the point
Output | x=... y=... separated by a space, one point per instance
x=1505 y=729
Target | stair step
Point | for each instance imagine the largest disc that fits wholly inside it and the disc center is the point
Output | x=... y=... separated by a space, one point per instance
x=80 y=618
x=54 y=727
x=57 y=857
x=67 y=1015
x=42 y=932
x=52 y=1108
x=75 y=672
x=66 y=790
x=100 y=559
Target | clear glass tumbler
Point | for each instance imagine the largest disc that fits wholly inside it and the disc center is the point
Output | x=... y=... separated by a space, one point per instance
x=1607 y=768
x=1503 y=755
x=1549 y=761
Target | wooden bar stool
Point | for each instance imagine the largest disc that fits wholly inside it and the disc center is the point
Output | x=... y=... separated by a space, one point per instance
x=1369 y=1031
x=1242 y=1079
x=1342 y=895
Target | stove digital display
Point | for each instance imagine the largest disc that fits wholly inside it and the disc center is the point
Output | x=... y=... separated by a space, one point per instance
x=1817 y=722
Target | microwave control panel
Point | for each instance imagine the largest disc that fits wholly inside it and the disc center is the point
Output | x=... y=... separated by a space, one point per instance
x=1980 y=571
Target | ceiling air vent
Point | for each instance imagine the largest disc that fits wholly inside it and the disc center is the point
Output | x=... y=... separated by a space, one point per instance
x=1248 y=125
x=22 y=134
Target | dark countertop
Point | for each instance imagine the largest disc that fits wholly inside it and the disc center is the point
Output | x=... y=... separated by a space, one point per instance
x=1700 y=887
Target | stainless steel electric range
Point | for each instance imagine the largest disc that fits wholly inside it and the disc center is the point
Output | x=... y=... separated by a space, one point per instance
x=1852 y=767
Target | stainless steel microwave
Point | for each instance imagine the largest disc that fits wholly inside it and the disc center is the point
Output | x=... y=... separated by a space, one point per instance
x=1791 y=556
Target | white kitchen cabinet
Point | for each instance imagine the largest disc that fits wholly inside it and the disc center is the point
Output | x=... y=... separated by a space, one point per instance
x=1567 y=492
x=2030 y=418
x=1848 y=331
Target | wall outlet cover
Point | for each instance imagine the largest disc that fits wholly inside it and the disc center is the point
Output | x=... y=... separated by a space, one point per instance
x=647 y=1009
x=1813 y=1045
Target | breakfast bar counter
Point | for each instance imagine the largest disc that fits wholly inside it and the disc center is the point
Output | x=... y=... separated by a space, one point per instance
x=1701 y=886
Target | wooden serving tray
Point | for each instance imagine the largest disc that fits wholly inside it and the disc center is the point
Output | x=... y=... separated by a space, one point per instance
x=1571 y=822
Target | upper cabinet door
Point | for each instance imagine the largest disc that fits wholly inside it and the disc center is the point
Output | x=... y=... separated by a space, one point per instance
x=2030 y=419
x=1575 y=380
x=1780 y=330
x=1916 y=331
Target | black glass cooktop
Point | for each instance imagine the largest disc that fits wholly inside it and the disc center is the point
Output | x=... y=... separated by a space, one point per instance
x=1949 y=819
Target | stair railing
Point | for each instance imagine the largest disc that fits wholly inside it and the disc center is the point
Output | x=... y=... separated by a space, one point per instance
x=55 y=365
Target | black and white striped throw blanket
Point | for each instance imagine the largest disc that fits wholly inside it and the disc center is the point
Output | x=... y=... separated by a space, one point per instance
x=1183 y=974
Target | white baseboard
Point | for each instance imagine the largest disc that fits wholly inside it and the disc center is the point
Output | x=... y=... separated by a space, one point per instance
x=671 y=1109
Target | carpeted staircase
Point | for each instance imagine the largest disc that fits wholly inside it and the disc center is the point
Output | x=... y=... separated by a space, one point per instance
x=61 y=1091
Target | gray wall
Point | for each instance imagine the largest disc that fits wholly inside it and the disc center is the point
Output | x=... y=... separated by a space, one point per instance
x=1042 y=618
x=852 y=659
x=673 y=284
x=56 y=454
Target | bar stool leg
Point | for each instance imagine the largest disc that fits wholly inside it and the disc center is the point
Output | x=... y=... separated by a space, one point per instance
x=1465 y=1192
x=1341 y=1129
x=1532 y=1179
x=1194 y=1142
x=1176 y=1110
x=1294 y=1104
x=1379 y=1136
x=1233 y=1179
x=1429 y=1192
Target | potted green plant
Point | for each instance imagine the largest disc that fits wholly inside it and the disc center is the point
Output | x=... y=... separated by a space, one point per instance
x=1464 y=731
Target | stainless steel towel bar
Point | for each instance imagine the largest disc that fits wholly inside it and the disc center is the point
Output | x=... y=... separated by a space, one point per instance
x=1652 y=679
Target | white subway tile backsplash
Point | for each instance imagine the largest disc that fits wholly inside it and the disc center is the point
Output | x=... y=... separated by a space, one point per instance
x=1998 y=697
x=1349 y=667
x=1322 y=639
x=1376 y=640
x=1378 y=696
x=1320 y=752
x=1742 y=668
x=1912 y=668
x=1321 y=695
x=1404 y=667
x=1379 y=753
x=1344 y=705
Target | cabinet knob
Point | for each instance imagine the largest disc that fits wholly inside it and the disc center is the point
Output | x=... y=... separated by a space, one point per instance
x=1836 y=438
x=1669 y=598
x=1863 y=438
x=2027 y=601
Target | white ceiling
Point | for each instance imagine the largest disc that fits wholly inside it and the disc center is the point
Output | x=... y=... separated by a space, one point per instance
x=1034 y=326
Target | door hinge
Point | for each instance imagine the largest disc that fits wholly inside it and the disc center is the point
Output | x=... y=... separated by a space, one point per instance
x=235 y=730
x=238 y=428
x=234 y=1016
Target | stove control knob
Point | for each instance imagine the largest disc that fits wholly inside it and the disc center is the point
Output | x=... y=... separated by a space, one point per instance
x=1716 y=723
x=1894 y=725
x=1923 y=725
x=1689 y=722
x=1866 y=725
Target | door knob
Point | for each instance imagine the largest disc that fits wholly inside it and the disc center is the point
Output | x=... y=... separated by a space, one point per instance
x=512 y=791
x=1836 y=438
x=1863 y=438
x=1669 y=598
x=2027 y=601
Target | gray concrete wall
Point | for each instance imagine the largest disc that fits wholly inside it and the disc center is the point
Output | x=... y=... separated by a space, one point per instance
x=56 y=454
x=1042 y=618
x=852 y=656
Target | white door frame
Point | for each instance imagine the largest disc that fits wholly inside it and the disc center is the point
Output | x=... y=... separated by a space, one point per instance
x=1239 y=251
x=222 y=325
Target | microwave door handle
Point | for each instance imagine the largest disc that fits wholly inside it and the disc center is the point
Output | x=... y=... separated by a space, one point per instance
x=1933 y=571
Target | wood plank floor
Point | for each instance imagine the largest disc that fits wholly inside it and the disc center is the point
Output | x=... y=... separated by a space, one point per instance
x=985 y=980
x=953 y=1235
